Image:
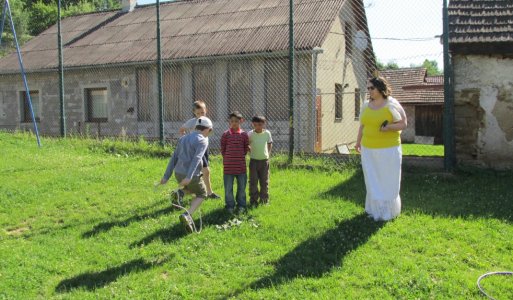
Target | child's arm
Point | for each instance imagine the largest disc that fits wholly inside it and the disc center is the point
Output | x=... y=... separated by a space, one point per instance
x=223 y=144
x=246 y=144
x=188 y=125
x=170 y=167
x=269 y=143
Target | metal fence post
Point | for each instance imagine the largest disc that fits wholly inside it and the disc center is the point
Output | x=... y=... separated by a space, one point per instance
x=159 y=78
x=291 y=80
x=449 y=154
x=61 y=72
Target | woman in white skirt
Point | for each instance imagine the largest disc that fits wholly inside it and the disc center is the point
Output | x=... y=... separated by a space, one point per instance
x=379 y=142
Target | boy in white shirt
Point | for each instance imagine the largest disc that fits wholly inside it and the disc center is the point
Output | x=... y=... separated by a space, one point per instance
x=260 y=142
x=200 y=110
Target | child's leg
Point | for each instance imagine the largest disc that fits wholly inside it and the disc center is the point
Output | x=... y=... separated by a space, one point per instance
x=241 y=190
x=195 y=204
x=197 y=187
x=264 y=181
x=206 y=175
x=228 y=191
x=253 y=182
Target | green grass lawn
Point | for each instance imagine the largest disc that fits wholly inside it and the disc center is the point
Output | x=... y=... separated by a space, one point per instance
x=81 y=220
x=423 y=150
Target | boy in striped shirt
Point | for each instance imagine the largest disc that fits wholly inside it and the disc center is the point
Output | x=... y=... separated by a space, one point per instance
x=234 y=147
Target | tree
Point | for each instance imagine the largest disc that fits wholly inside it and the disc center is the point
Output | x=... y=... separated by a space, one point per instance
x=432 y=67
x=391 y=65
x=43 y=13
x=20 y=19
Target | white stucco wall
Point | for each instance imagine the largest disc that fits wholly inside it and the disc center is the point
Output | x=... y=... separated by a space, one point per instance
x=335 y=66
x=484 y=84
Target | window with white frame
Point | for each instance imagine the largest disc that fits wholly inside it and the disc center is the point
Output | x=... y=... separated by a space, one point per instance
x=25 y=108
x=239 y=88
x=277 y=89
x=96 y=104
x=172 y=82
x=144 y=94
x=204 y=86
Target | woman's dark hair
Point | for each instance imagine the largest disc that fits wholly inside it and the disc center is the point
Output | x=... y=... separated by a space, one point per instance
x=382 y=85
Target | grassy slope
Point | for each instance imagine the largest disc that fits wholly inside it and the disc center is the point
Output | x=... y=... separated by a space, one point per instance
x=84 y=224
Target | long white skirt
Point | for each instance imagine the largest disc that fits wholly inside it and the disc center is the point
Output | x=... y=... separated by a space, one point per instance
x=382 y=172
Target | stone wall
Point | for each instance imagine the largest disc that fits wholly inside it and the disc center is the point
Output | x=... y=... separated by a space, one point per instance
x=484 y=110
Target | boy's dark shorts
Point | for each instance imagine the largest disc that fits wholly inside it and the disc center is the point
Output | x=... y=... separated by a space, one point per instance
x=204 y=159
x=196 y=186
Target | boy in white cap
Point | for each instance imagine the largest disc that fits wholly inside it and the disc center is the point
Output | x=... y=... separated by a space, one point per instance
x=199 y=108
x=186 y=163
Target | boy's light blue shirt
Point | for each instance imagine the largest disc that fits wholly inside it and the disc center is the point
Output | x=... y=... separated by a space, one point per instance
x=187 y=158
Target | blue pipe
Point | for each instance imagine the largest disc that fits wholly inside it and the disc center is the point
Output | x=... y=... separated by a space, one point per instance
x=23 y=73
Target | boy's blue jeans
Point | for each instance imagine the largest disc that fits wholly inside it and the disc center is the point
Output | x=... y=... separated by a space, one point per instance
x=241 y=190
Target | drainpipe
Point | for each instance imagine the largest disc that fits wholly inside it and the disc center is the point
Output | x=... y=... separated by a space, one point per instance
x=315 y=52
x=449 y=151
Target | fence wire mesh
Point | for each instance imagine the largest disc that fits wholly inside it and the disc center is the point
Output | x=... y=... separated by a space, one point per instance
x=233 y=55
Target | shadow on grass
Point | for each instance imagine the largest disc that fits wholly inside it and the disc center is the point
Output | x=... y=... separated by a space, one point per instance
x=317 y=256
x=177 y=231
x=94 y=280
x=485 y=194
x=106 y=226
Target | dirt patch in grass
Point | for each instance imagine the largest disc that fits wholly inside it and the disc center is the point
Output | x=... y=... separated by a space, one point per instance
x=17 y=231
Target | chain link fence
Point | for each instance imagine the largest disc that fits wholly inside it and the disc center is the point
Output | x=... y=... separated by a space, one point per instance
x=233 y=55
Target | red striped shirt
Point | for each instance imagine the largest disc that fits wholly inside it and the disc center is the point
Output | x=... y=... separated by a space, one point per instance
x=234 y=147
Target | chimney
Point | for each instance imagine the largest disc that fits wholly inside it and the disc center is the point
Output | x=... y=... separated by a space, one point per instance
x=128 y=5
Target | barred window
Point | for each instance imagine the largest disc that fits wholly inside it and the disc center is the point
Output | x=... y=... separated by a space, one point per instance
x=204 y=87
x=239 y=88
x=276 y=89
x=96 y=105
x=348 y=32
x=338 y=102
x=172 y=82
x=357 y=101
x=144 y=95
x=25 y=108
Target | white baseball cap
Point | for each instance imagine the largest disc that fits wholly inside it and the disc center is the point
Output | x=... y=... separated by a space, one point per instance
x=204 y=121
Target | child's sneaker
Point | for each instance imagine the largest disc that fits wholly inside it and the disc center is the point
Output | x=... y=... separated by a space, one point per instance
x=187 y=222
x=177 y=197
x=213 y=196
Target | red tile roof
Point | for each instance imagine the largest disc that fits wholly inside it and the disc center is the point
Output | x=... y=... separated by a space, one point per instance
x=412 y=85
